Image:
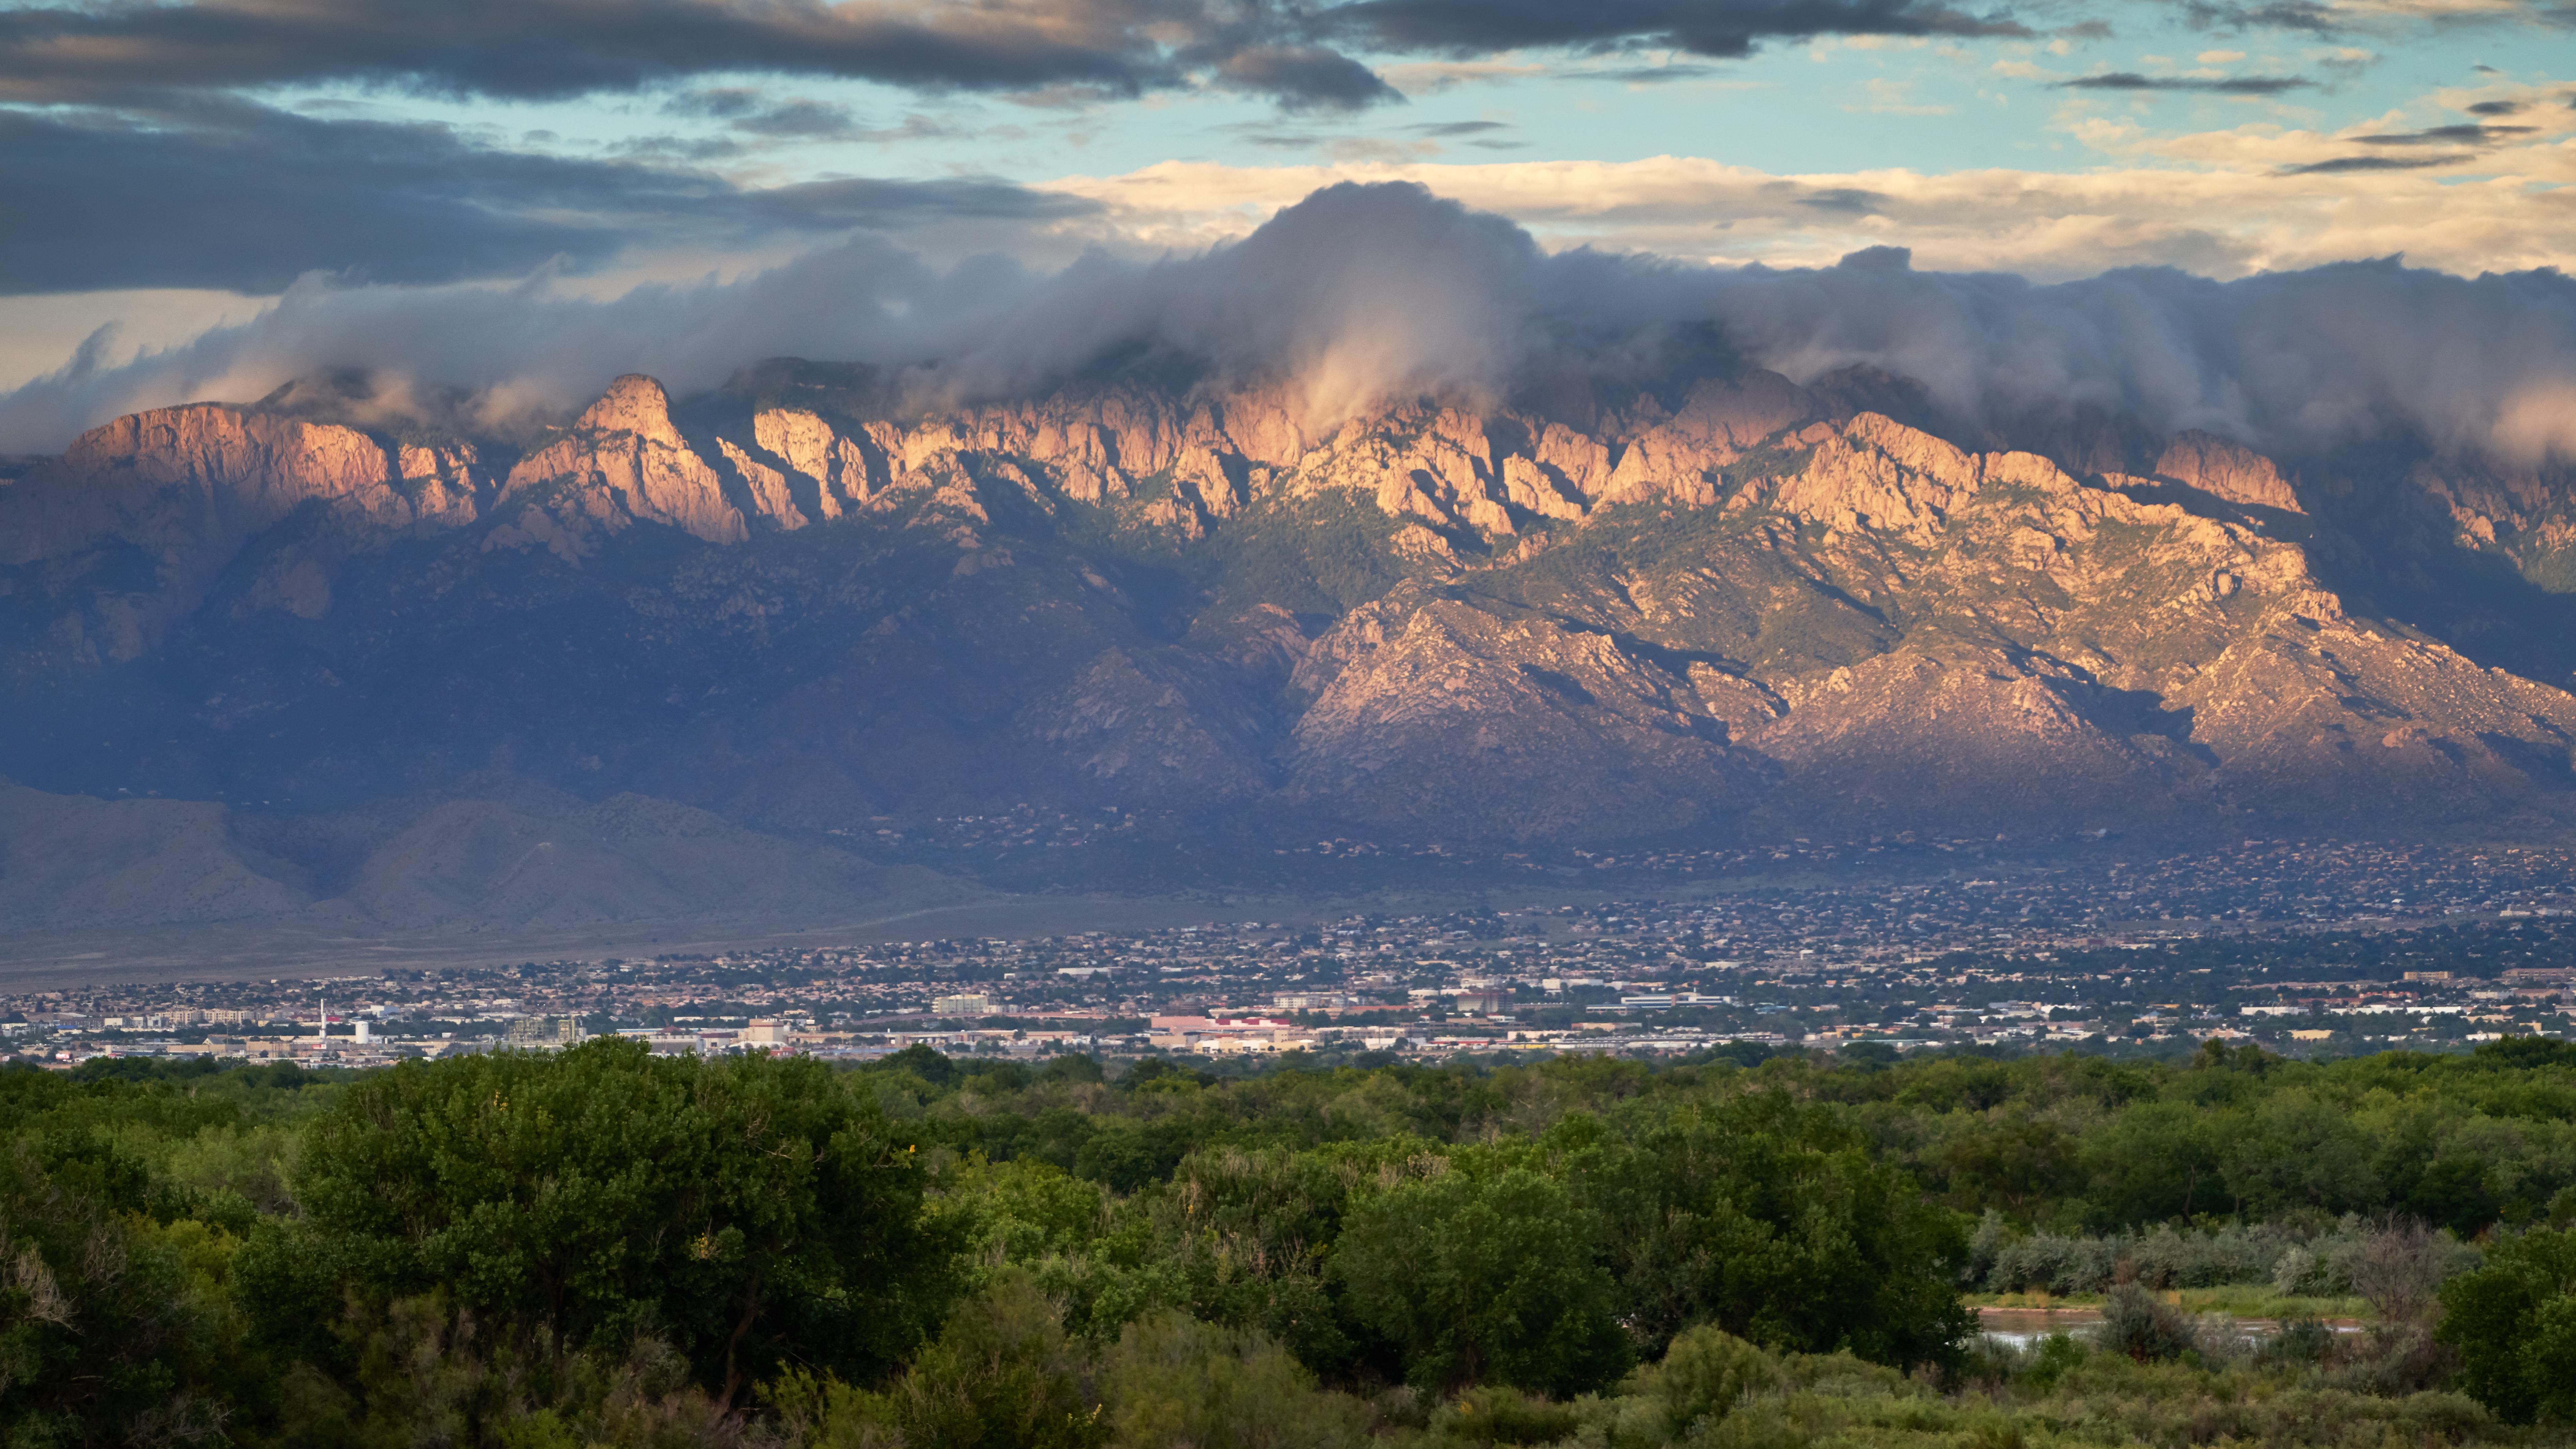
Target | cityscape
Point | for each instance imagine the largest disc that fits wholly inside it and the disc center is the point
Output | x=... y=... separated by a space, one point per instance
x=1893 y=947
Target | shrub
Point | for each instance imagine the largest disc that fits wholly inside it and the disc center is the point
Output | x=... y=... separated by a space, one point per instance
x=2137 y=1323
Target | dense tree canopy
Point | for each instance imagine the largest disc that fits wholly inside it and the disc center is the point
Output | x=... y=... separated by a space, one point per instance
x=743 y=1209
x=607 y=1247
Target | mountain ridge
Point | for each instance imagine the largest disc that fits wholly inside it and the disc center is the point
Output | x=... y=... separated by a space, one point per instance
x=1736 y=606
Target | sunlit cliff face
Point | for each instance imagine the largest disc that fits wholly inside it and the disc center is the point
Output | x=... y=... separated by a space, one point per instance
x=1360 y=295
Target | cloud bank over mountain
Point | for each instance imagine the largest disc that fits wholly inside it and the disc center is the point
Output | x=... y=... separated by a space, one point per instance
x=1359 y=293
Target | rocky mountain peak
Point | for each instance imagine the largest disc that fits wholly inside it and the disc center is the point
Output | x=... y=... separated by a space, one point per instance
x=633 y=404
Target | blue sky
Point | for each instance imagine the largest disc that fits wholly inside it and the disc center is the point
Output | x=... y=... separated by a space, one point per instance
x=179 y=166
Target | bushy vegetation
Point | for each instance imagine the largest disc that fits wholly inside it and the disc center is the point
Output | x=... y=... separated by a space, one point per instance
x=603 y=1247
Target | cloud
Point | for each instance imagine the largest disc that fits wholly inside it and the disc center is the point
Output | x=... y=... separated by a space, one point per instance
x=1305 y=77
x=1640 y=75
x=2129 y=80
x=2460 y=135
x=2212 y=203
x=1896 y=98
x=1724 y=28
x=122 y=51
x=254 y=197
x=552 y=49
x=2345 y=15
x=1360 y=292
x=2346 y=165
x=751 y=111
x=1849 y=199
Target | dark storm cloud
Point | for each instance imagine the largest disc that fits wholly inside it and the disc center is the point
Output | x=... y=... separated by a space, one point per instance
x=551 y=49
x=539 y=49
x=2495 y=108
x=2129 y=80
x=1304 y=77
x=249 y=198
x=1725 y=28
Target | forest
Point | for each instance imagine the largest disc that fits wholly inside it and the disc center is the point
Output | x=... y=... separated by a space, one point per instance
x=604 y=1247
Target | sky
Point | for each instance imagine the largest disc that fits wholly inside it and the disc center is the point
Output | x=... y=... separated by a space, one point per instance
x=176 y=178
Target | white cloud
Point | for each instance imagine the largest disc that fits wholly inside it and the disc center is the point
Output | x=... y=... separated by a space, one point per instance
x=2211 y=202
x=37 y=332
x=1355 y=293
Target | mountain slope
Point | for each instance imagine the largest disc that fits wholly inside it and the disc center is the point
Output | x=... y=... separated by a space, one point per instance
x=1733 y=607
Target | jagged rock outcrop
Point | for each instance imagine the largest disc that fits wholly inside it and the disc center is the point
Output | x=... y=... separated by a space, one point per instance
x=182 y=491
x=624 y=462
x=187 y=483
x=2228 y=470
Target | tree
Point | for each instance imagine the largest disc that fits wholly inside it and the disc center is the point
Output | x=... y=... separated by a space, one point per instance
x=1767 y=1218
x=752 y=1209
x=2514 y=1323
x=1001 y=1375
x=104 y=1338
x=2009 y=1161
x=2150 y=1163
x=1483 y=1277
x=2295 y=1149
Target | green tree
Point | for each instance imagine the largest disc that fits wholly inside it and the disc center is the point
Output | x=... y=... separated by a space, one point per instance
x=2008 y=1162
x=105 y=1336
x=1483 y=1277
x=751 y=1210
x=2295 y=1149
x=1001 y=1375
x=2151 y=1163
x=2514 y=1324
x=1766 y=1217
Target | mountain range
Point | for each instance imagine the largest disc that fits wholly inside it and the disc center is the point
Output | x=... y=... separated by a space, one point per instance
x=315 y=653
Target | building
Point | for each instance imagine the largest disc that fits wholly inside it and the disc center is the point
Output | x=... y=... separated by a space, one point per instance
x=1311 y=1001
x=964 y=1003
x=540 y=1033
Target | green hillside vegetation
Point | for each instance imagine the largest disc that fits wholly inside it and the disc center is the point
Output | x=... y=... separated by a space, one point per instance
x=605 y=1247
